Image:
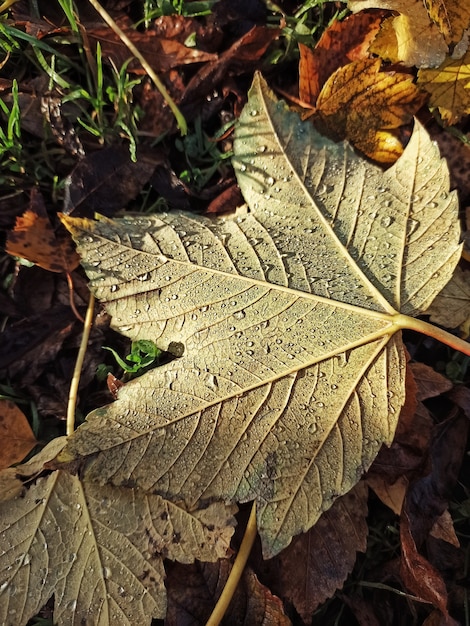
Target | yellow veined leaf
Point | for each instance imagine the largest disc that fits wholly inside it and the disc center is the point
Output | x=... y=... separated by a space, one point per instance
x=449 y=86
x=364 y=105
x=286 y=320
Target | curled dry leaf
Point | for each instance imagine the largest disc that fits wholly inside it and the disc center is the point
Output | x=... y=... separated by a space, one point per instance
x=98 y=550
x=291 y=368
x=417 y=39
x=449 y=87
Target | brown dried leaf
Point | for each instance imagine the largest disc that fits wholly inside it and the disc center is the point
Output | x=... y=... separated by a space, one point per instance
x=444 y=529
x=34 y=239
x=194 y=590
x=238 y=59
x=340 y=44
x=451 y=16
x=449 y=87
x=15 y=434
x=361 y=103
x=418 y=40
x=162 y=54
x=429 y=382
x=317 y=563
x=417 y=573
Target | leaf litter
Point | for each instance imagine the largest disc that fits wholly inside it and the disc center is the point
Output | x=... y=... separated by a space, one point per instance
x=413 y=455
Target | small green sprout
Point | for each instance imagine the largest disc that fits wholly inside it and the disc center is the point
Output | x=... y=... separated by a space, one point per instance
x=144 y=353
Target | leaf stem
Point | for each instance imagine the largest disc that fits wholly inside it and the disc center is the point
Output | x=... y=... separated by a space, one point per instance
x=78 y=366
x=181 y=122
x=237 y=570
x=411 y=323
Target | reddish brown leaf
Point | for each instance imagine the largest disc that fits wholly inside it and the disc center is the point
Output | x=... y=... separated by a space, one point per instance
x=340 y=44
x=193 y=591
x=227 y=201
x=34 y=239
x=317 y=563
x=429 y=382
x=15 y=434
x=418 y=575
x=239 y=58
x=162 y=54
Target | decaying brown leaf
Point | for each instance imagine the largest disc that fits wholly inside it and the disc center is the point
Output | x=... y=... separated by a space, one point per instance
x=15 y=434
x=449 y=87
x=194 y=589
x=411 y=35
x=361 y=103
x=34 y=239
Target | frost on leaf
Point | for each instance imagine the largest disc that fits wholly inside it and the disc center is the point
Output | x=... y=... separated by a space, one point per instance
x=292 y=374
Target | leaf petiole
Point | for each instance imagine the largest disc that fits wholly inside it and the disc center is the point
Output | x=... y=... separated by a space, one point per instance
x=420 y=326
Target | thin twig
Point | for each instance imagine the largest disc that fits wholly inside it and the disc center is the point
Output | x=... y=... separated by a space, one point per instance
x=181 y=122
x=237 y=570
x=72 y=302
x=78 y=366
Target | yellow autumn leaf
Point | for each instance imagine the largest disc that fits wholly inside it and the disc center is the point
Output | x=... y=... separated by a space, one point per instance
x=449 y=87
x=362 y=104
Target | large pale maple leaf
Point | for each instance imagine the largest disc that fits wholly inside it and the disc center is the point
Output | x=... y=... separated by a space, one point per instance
x=290 y=368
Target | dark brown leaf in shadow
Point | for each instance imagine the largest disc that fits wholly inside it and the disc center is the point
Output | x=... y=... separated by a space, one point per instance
x=105 y=181
x=193 y=591
x=429 y=382
x=241 y=57
x=418 y=575
x=339 y=44
x=161 y=54
x=27 y=346
x=428 y=497
x=317 y=562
